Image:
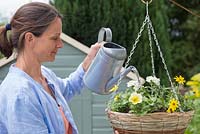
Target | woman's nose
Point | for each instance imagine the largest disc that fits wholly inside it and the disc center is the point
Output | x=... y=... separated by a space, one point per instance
x=60 y=44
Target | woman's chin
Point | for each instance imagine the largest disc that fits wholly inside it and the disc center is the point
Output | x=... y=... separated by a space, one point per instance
x=51 y=59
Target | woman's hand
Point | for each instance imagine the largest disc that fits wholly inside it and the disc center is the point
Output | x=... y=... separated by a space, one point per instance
x=92 y=53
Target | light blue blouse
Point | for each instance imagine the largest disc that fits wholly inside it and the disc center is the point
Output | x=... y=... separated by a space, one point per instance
x=26 y=108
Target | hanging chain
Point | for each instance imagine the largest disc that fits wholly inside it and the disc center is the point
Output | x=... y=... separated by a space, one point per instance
x=151 y=50
x=150 y=41
x=164 y=63
x=150 y=31
x=133 y=48
x=150 y=27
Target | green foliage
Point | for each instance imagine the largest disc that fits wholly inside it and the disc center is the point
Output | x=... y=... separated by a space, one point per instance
x=185 y=38
x=1 y=56
x=194 y=127
x=194 y=83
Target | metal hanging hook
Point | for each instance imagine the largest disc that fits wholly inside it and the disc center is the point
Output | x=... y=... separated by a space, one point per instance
x=145 y=1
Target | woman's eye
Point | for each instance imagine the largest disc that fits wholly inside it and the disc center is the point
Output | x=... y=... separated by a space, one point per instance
x=55 y=38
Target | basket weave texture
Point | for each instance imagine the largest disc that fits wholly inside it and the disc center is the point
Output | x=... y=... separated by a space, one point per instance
x=153 y=123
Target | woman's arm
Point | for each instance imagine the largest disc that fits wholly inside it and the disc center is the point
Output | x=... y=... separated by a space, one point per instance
x=74 y=83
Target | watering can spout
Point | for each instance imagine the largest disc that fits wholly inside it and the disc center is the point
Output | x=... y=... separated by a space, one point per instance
x=114 y=80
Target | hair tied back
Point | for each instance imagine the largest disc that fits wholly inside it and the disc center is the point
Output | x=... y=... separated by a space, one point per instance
x=8 y=27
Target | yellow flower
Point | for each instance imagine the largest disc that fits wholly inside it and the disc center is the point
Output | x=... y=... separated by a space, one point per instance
x=114 y=88
x=196 y=92
x=170 y=110
x=192 y=83
x=135 y=98
x=196 y=77
x=173 y=105
x=180 y=79
x=117 y=97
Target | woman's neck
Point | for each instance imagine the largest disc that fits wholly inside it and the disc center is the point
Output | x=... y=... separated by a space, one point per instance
x=30 y=65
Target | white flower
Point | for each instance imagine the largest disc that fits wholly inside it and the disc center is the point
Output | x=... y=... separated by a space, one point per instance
x=135 y=98
x=153 y=79
x=136 y=85
x=131 y=83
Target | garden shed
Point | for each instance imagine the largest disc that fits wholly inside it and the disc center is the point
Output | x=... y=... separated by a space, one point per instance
x=88 y=108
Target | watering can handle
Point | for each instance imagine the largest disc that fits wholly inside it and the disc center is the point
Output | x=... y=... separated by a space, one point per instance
x=105 y=32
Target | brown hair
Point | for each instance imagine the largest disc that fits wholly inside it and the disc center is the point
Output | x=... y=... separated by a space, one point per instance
x=33 y=17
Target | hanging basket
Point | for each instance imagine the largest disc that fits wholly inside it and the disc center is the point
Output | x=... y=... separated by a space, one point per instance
x=153 y=123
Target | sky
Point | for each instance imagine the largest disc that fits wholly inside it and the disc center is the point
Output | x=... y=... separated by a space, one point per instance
x=8 y=7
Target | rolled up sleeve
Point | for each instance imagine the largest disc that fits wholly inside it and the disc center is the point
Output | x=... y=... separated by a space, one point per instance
x=72 y=84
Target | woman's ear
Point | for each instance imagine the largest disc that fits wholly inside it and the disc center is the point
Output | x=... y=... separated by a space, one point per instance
x=29 y=37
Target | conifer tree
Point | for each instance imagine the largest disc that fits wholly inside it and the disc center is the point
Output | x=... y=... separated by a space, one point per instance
x=185 y=37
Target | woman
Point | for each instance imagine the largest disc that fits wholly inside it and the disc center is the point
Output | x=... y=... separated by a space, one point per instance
x=32 y=98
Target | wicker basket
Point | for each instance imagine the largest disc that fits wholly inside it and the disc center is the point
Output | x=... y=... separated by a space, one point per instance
x=155 y=123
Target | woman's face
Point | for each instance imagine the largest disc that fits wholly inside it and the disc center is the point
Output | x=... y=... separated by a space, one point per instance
x=46 y=46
